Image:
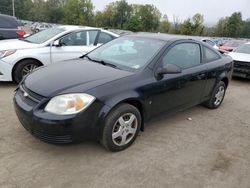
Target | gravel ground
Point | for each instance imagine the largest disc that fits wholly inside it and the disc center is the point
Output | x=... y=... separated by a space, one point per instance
x=211 y=150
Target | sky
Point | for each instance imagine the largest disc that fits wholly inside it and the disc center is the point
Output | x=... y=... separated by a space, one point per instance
x=212 y=10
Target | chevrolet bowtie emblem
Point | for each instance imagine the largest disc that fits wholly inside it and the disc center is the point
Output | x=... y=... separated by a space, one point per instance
x=25 y=94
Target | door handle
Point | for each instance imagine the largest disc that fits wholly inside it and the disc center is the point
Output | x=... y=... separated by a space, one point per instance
x=201 y=76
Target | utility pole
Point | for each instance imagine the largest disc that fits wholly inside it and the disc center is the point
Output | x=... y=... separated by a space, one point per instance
x=13 y=7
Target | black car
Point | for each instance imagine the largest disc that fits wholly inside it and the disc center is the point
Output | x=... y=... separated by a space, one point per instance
x=110 y=93
x=10 y=28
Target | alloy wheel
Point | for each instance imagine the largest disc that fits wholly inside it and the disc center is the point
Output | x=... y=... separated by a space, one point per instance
x=219 y=95
x=28 y=69
x=124 y=129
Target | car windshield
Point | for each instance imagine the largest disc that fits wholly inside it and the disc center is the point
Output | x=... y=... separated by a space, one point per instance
x=245 y=48
x=130 y=53
x=44 y=35
x=233 y=43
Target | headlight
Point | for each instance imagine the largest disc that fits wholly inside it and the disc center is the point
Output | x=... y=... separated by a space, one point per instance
x=6 y=53
x=69 y=103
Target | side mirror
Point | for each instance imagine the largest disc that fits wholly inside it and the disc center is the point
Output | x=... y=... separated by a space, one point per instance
x=57 y=43
x=168 y=69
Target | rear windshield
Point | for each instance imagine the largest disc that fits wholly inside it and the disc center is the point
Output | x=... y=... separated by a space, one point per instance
x=8 y=22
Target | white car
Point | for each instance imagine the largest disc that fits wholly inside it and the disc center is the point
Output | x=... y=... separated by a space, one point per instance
x=241 y=57
x=19 y=57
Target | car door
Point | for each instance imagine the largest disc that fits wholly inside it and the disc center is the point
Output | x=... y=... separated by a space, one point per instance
x=74 y=45
x=216 y=66
x=178 y=91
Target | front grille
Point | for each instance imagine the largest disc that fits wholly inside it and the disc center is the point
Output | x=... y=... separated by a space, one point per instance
x=242 y=65
x=54 y=139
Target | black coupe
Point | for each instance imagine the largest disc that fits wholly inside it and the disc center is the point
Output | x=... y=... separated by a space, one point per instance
x=108 y=94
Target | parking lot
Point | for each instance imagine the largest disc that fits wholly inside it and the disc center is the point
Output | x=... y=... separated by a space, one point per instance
x=211 y=150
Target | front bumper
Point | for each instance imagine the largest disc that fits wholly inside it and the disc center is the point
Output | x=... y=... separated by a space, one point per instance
x=58 y=129
x=241 y=69
x=5 y=71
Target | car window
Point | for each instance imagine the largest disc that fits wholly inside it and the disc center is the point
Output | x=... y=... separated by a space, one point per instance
x=7 y=23
x=210 y=55
x=75 y=39
x=92 y=37
x=209 y=42
x=104 y=38
x=184 y=55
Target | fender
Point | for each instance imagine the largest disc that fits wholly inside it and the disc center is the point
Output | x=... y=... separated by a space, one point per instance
x=134 y=98
x=222 y=76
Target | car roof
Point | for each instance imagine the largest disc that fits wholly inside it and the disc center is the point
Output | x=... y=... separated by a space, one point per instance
x=7 y=16
x=76 y=27
x=11 y=19
x=164 y=37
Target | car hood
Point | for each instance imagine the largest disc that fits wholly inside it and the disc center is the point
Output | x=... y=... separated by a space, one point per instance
x=16 y=44
x=71 y=76
x=240 y=56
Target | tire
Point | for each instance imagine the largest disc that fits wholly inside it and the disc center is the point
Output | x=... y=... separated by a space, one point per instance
x=119 y=136
x=213 y=102
x=23 y=67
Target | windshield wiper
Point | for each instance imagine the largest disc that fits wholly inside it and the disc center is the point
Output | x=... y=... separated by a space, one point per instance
x=100 y=61
x=105 y=63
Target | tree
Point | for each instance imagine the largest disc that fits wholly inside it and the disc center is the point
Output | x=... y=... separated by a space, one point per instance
x=6 y=7
x=134 y=24
x=165 y=26
x=22 y=8
x=122 y=12
x=150 y=17
x=38 y=11
x=193 y=26
x=175 y=26
x=220 y=29
x=187 y=27
x=197 y=24
x=106 y=17
x=232 y=26
x=235 y=25
x=55 y=10
x=246 y=29
x=99 y=19
x=78 y=12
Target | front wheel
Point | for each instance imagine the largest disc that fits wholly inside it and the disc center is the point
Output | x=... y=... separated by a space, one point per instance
x=23 y=68
x=121 y=127
x=217 y=96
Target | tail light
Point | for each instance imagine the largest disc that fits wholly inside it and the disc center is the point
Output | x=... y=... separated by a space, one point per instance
x=20 y=33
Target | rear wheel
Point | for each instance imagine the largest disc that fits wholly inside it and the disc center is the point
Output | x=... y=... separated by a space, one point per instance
x=23 y=68
x=121 y=128
x=217 y=96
